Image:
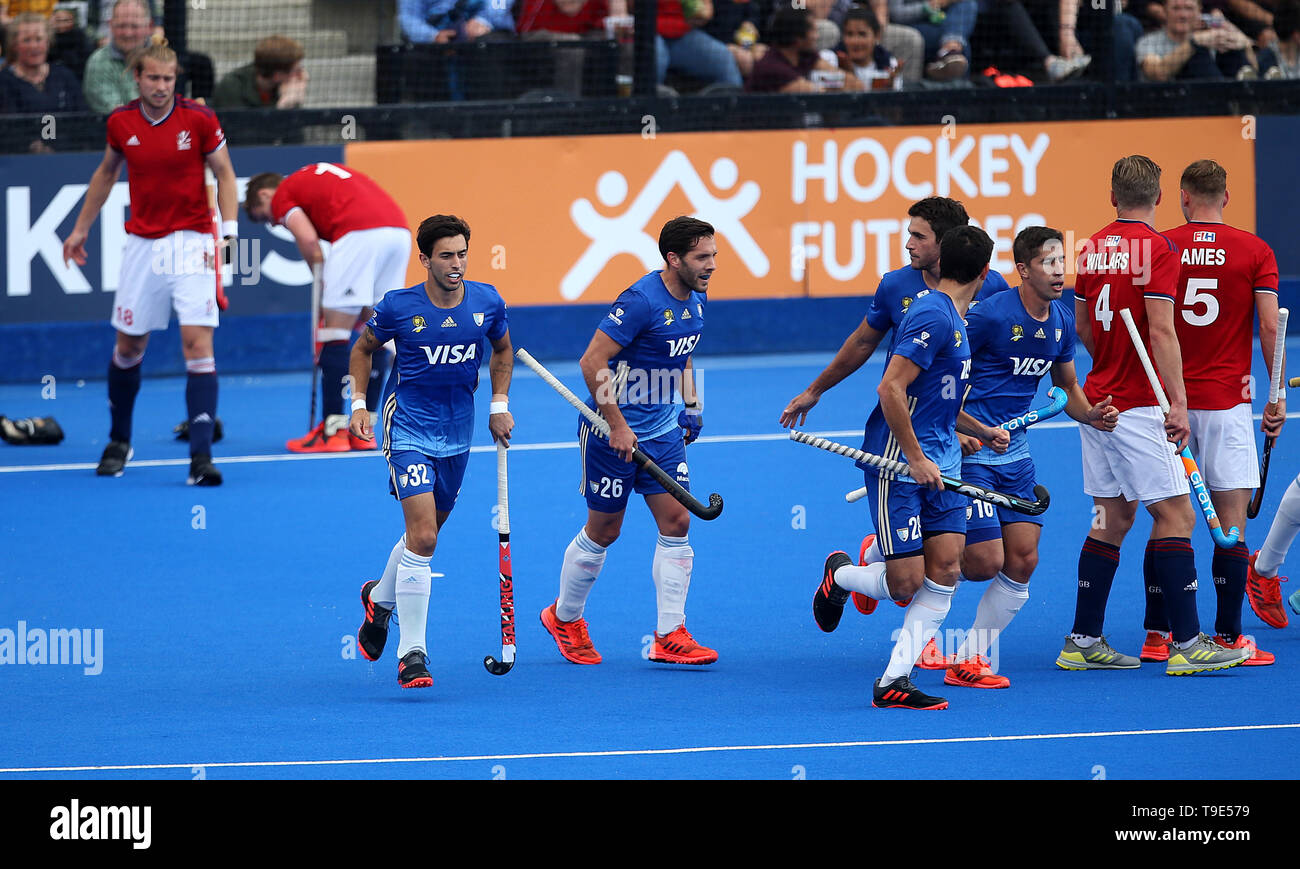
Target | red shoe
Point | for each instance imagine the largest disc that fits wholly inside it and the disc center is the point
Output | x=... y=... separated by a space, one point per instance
x=866 y=605
x=1155 y=649
x=679 y=647
x=932 y=659
x=357 y=443
x=1264 y=595
x=317 y=441
x=974 y=673
x=571 y=638
x=1258 y=657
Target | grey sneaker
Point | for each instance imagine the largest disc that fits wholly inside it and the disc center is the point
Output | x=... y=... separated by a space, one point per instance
x=1098 y=656
x=1201 y=656
x=1060 y=68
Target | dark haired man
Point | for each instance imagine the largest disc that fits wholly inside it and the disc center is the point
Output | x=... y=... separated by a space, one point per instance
x=438 y=326
x=637 y=362
x=369 y=246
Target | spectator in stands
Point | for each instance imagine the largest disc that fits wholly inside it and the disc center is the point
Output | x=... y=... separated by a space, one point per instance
x=863 y=55
x=1282 y=58
x=736 y=24
x=946 y=26
x=101 y=14
x=905 y=43
x=792 y=63
x=441 y=21
x=275 y=79
x=1188 y=47
x=107 y=82
x=682 y=46
x=69 y=43
x=30 y=83
x=567 y=21
x=1007 y=37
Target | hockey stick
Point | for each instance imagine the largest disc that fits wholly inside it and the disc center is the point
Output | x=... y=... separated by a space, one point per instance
x=1059 y=399
x=685 y=498
x=1274 y=392
x=1190 y=467
x=501 y=667
x=315 y=340
x=952 y=484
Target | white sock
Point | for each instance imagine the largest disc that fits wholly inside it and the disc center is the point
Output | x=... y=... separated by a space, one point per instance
x=1282 y=533
x=921 y=622
x=869 y=579
x=1084 y=642
x=873 y=553
x=384 y=593
x=413 y=583
x=1001 y=601
x=671 y=570
x=583 y=560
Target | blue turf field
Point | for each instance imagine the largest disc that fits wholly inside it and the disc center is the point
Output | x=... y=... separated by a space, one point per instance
x=225 y=647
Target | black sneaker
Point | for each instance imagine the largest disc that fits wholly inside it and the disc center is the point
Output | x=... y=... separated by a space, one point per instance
x=114 y=459
x=902 y=694
x=373 y=632
x=413 y=670
x=203 y=472
x=828 y=602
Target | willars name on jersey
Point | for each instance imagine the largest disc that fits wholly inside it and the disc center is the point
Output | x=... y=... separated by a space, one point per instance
x=1204 y=256
x=682 y=346
x=1107 y=261
x=1030 y=366
x=450 y=354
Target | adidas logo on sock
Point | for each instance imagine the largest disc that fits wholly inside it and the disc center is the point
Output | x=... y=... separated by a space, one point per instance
x=203 y=417
x=448 y=323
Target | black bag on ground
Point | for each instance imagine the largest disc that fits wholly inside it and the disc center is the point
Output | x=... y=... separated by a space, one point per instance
x=32 y=431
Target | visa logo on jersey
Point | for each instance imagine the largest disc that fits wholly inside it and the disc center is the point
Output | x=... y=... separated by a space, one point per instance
x=450 y=354
x=1029 y=366
x=682 y=346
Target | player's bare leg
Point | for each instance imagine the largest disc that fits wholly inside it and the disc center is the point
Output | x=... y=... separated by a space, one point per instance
x=671 y=569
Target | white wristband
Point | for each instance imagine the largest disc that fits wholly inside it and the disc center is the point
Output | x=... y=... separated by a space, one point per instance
x=229 y=228
x=358 y=404
x=499 y=407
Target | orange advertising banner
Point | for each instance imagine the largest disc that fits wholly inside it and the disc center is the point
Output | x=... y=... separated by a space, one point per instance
x=798 y=213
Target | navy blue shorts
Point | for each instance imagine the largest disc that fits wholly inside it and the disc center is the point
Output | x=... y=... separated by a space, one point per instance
x=905 y=514
x=608 y=481
x=984 y=521
x=411 y=472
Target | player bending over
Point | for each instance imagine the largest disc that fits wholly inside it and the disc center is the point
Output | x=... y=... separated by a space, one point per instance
x=1226 y=276
x=1015 y=338
x=639 y=356
x=920 y=526
x=439 y=327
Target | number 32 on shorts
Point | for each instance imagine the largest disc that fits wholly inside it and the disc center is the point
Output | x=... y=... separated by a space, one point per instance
x=416 y=475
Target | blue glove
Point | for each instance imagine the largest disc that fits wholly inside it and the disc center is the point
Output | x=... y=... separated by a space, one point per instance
x=691 y=420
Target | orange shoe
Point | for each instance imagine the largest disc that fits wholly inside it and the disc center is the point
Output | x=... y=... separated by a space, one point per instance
x=865 y=605
x=932 y=659
x=1155 y=649
x=571 y=638
x=357 y=443
x=680 y=647
x=1258 y=657
x=974 y=673
x=1264 y=595
x=317 y=441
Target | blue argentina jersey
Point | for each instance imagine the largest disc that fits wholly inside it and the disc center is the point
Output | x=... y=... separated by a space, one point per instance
x=658 y=332
x=899 y=288
x=1011 y=351
x=429 y=398
x=933 y=336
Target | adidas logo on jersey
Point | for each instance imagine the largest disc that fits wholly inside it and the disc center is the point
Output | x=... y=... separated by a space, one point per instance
x=1040 y=334
x=134 y=140
x=448 y=323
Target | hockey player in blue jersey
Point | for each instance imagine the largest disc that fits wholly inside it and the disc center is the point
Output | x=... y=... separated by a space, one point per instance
x=440 y=327
x=637 y=362
x=1015 y=339
x=920 y=526
x=928 y=220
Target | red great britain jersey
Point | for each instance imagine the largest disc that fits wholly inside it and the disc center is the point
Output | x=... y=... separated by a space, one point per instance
x=1222 y=269
x=336 y=200
x=1121 y=267
x=164 y=165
